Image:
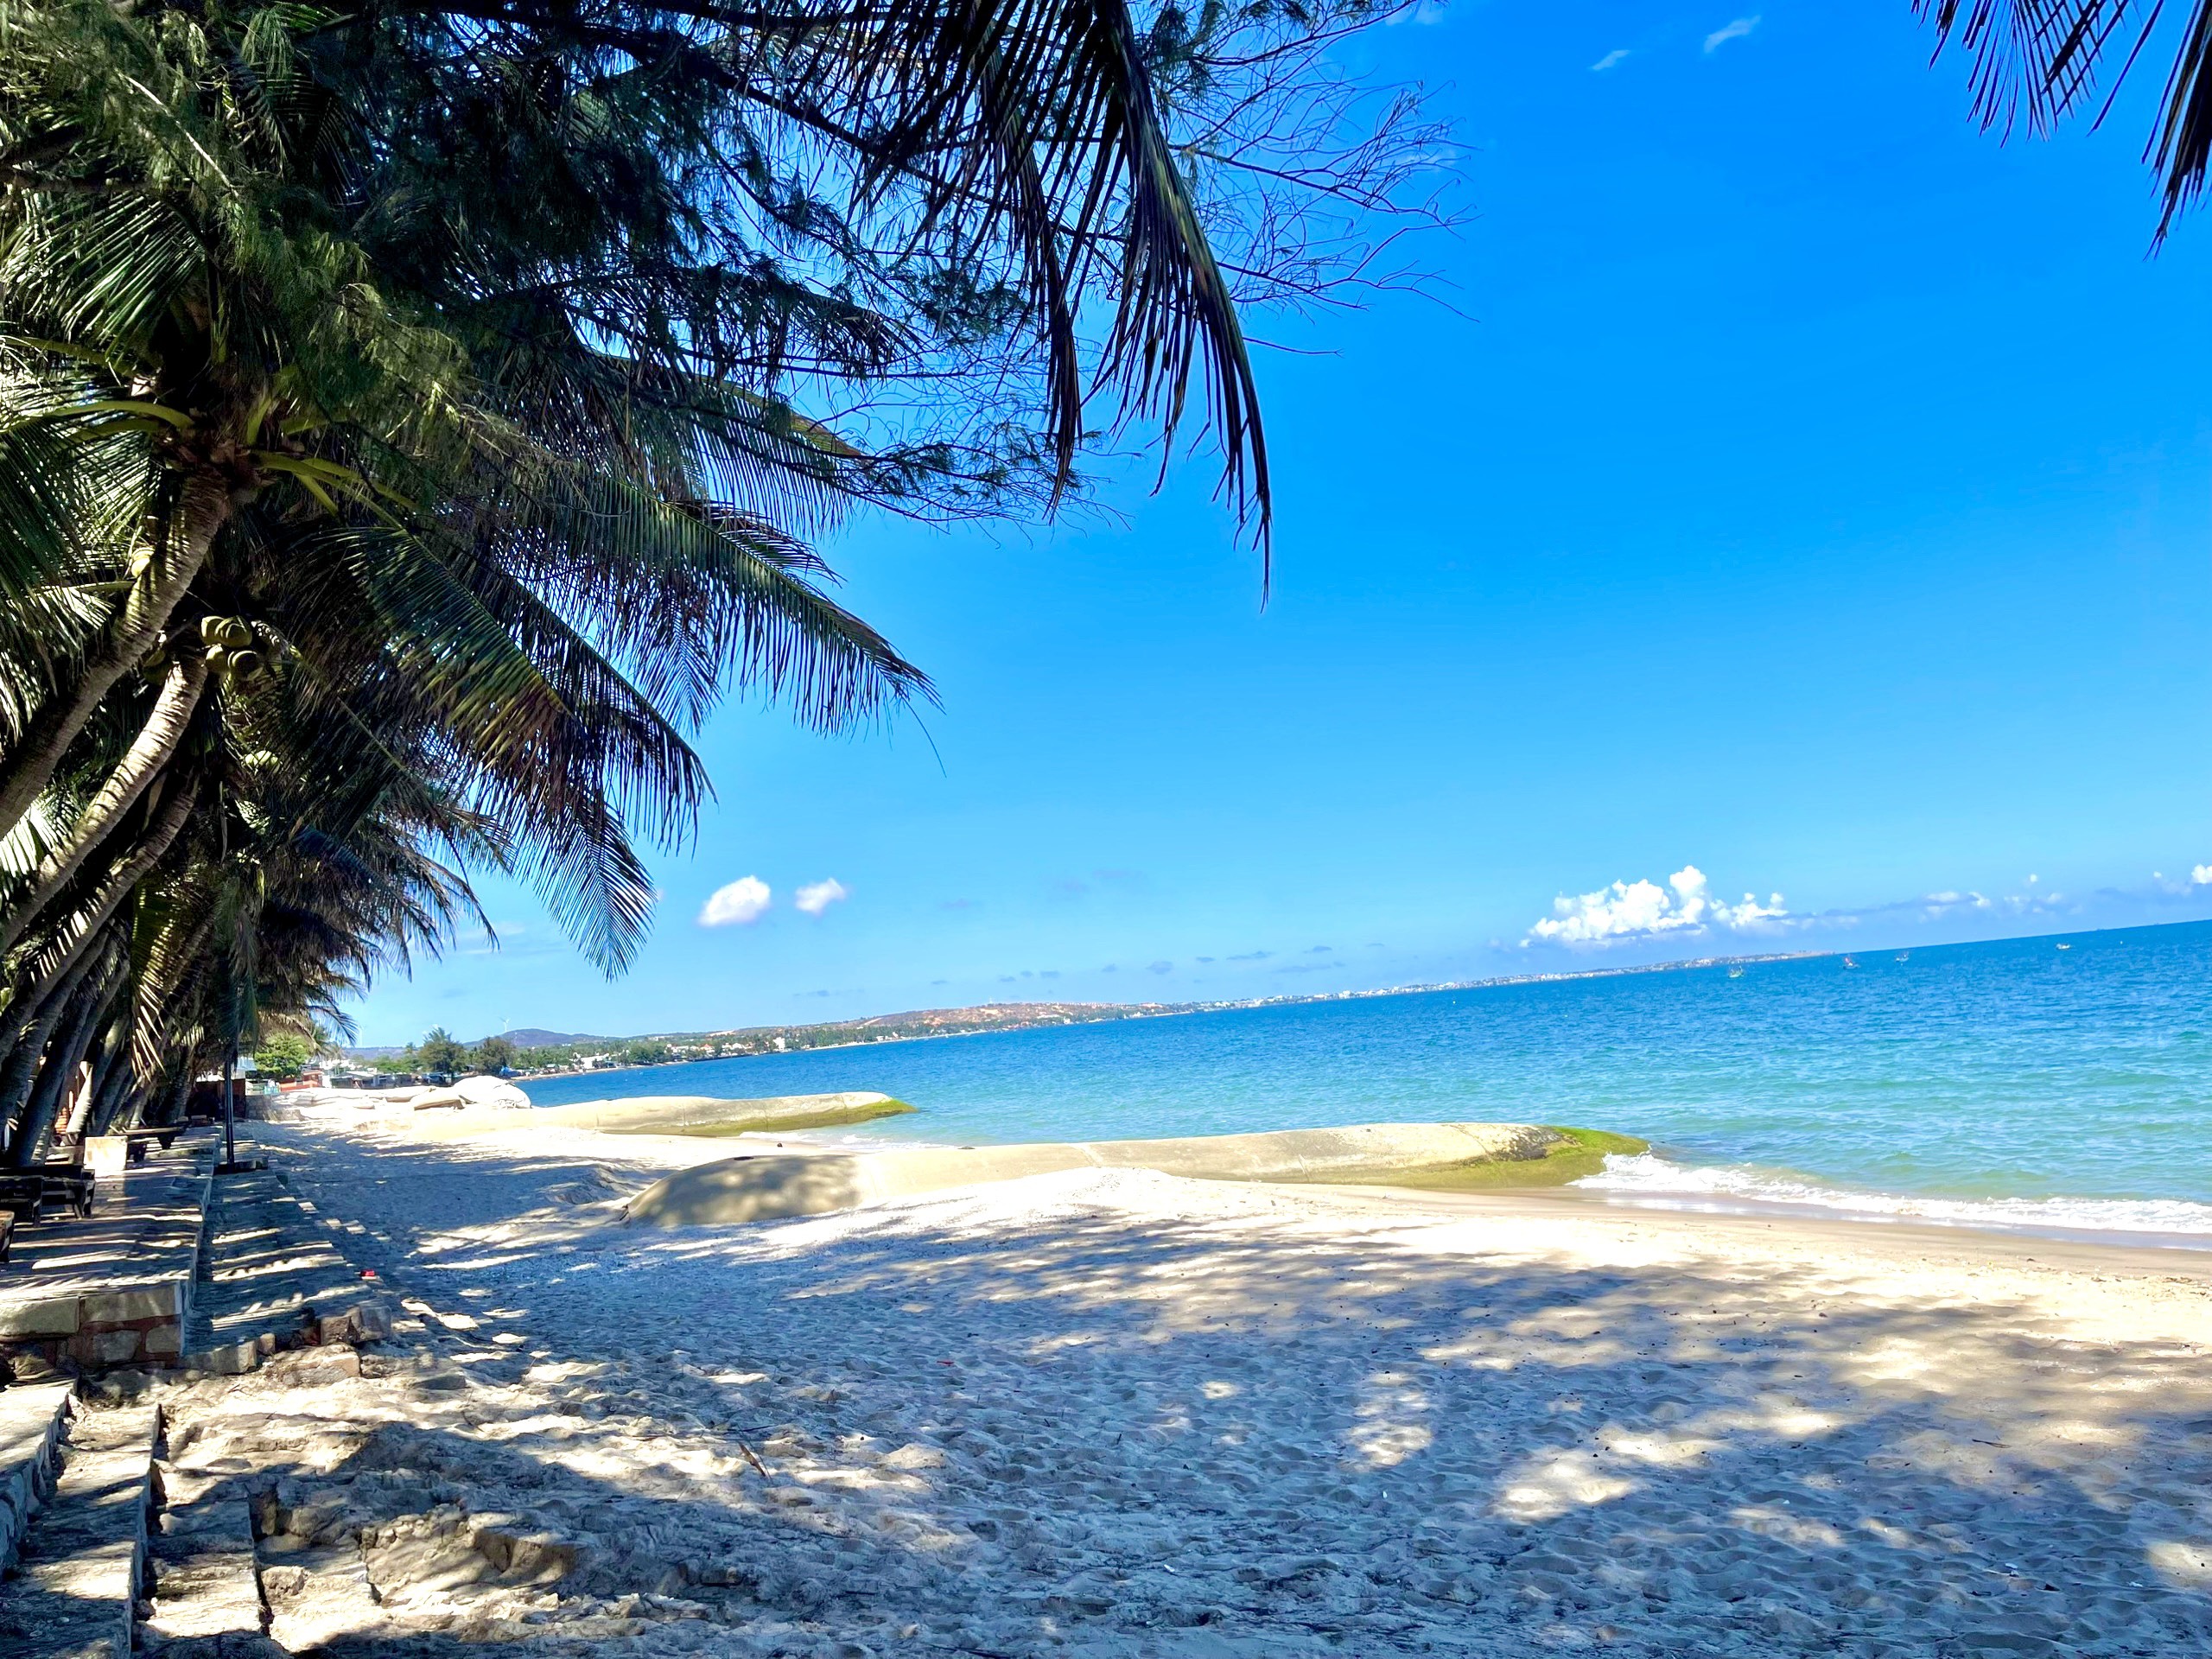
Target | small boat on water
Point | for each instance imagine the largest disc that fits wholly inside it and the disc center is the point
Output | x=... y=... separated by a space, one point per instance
x=1848 y=963
x=1905 y=956
x=2065 y=947
x=1735 y=973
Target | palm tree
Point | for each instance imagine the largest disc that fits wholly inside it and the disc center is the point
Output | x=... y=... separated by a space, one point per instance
x=505 y=315
x=302 y=875
x=510 y=514
x=2041 y=60
x=413 y=422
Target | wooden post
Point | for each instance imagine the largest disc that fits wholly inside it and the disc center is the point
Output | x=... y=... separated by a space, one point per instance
x=230 y=1145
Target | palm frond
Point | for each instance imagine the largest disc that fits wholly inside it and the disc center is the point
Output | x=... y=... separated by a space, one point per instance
x=2041 y=60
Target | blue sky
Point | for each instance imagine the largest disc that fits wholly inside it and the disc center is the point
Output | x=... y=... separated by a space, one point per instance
x=1811 y=497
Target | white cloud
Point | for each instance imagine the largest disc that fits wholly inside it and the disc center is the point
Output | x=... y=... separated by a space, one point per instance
x=1644 y=909
x=743 y=902
x=1752 y=917
x=1937 y=902
x=1936 y=906
x=1612 y=60
x=817 y=896
x=2201 y=876
x=1622 y=911
x=1728 y=32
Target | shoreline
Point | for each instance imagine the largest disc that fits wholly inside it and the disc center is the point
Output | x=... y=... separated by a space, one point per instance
x=585 y=1128
x=2119 y=1253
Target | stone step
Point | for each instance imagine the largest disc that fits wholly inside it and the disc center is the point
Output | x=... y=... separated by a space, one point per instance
x=76 y=1582
x=32 y=1417
x=269 y=1275
x=206 y=1591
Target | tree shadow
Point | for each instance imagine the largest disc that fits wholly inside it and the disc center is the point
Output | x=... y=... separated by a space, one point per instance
x=940 y=1427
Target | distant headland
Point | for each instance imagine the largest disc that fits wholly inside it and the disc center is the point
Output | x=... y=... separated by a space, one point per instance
x=538 y=1050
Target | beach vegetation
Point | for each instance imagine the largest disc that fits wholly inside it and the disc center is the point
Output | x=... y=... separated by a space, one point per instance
x=415 y=421
x=1571 y=1154
x=493 y=1056
x=283 y=1054
x=828 y=1117
x=438 y=1052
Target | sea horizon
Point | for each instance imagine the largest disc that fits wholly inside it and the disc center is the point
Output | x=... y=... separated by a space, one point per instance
x=1168 y=1009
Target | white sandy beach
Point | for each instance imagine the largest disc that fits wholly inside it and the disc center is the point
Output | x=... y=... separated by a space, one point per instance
x=1118 y=1413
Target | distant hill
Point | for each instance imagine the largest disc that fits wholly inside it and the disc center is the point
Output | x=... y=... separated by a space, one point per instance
x=521 y=1037
x=882 y=1027
x=738 y=1042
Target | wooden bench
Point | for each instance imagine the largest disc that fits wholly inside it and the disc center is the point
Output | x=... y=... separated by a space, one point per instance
x=138 y=1142
x=24 y=1193
x=70 y=1184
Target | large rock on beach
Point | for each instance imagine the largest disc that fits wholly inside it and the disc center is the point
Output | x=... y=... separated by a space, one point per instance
x=475 y=1093
x=767 y=1186
x=679 y=1115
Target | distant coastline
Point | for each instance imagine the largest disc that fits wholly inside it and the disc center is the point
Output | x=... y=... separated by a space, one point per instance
x=923 y=1025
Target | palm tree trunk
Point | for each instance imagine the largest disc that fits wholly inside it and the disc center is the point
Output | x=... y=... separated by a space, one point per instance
x=112 y=1089
x=128 y=1110
x=58 y=1076
x=82 y=929
x=156 y=742
x=114 y=1049
x=202 y=507
x=174 y=1095
x=20 y=1069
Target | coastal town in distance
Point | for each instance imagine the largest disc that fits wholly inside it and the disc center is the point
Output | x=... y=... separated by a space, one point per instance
x=536 y=1052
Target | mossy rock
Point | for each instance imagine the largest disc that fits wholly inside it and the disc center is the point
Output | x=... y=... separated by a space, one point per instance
x=1576 y=1153
x=835 y=1117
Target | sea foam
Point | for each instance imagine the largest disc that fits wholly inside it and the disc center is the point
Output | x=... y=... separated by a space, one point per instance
x=1651 y=1177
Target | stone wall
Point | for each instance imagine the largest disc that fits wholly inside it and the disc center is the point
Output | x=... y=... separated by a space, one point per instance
x=114 y=1288
x=140 y=1325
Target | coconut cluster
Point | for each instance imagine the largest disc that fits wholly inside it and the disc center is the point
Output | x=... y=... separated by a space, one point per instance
x=228 y=645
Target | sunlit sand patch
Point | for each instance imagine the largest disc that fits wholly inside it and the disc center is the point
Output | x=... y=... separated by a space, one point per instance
x=2188 y=1564
x=1770 y=1418
x=1546 y=1488
x=1895 y=1536
x=1660 y=1451
x=1770 y=1522
x=1383 y=1445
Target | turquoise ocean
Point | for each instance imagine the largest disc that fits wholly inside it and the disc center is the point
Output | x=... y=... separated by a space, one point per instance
x=2059 y=1084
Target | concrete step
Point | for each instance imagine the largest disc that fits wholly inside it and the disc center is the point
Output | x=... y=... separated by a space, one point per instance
x=270 y=1275
x=75 y=1585
x=205 y=1590
x=32 y=1419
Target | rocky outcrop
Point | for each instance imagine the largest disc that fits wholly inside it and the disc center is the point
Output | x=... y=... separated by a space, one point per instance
x=764 y=1187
